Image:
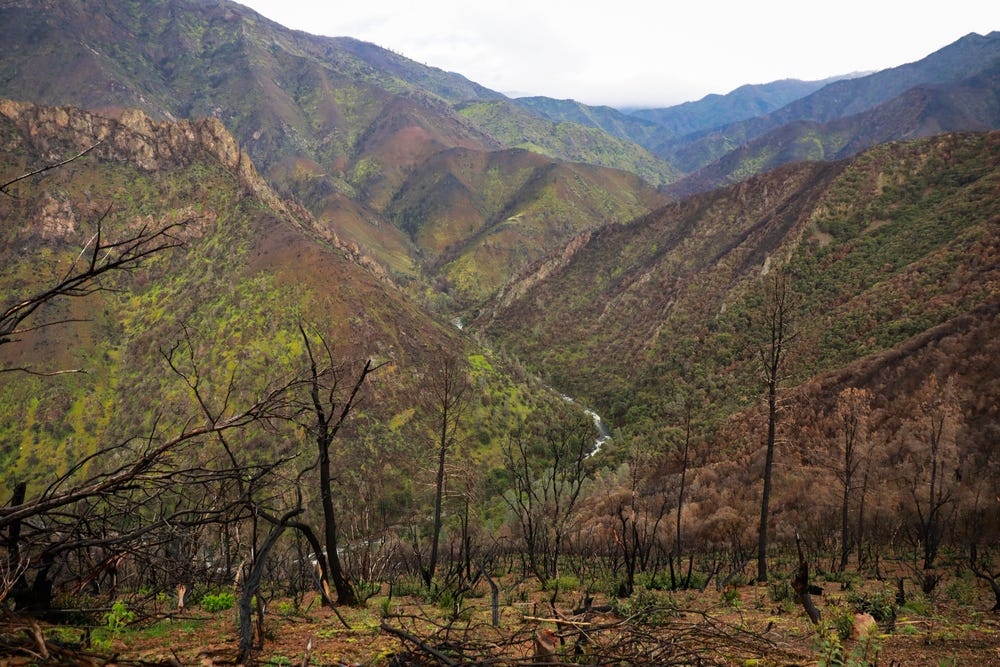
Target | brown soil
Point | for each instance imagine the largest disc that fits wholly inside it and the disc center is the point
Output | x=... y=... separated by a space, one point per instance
x=742 y=627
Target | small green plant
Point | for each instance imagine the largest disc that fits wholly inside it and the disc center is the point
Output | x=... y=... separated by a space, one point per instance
x=842 y=622
x=367 y=589
x=830 y=651
x=780 y=591
x=645 y=606
x=962 y=590
x=288 y=608
x=917 y=606
x=213 y=603
x=408 y=586
x=115 y=621
x=446 y=600
x=564 y=582
x=385 y=606
x=731 y=597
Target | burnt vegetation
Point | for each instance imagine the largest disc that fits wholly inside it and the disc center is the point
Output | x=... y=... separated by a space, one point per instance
x=342 y=419
x=261 y=484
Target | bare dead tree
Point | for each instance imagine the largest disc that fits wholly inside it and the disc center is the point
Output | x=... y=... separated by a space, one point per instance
x=448 y=385
x=772 y=358
x=934 y=459
x=801 y=584
x=852 y=413
x=99 y=258
x=983 y=569
x=138 y=498
x=252 y=582
x=329 y=411
x=548 y=464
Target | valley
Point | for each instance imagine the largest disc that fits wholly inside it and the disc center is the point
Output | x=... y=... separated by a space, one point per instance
x=284 y=311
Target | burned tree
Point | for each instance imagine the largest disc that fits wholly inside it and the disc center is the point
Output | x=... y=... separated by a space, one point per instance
x=448 y=385
x=851 y=415
x=548 y=461
x=772 y=358
x=329 y=411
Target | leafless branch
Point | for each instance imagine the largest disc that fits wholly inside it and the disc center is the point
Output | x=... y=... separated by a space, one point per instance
x=3 y=188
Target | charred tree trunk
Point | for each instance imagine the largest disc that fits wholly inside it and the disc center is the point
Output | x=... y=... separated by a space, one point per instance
x=991 y=578
x=330 y=413
x=801 y=585
x=447 y=389
x=14 y=541
x=772 y=358
x=251 y=586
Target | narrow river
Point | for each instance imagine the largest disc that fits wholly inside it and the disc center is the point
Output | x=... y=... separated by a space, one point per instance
x=603 y=432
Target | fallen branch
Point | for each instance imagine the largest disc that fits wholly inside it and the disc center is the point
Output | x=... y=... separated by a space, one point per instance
x=430 y=650
x=558 y=621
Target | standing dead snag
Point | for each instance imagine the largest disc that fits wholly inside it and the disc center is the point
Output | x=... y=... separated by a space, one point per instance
x=330 y=413
x=446 y=400
x=801 y=584
x=773 y=354
x=251 y=586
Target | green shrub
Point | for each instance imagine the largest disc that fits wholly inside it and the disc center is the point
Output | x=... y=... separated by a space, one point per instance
x=564 y=582
x=962 y=590
x=881 y=604
x=830 y=650
x=646 y=606
x=780 y=591
x=367 y=589
x=408 y=586
x=115 y=622
x=217 y=602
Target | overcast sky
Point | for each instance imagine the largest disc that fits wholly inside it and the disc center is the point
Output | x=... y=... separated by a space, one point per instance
x=642 y=53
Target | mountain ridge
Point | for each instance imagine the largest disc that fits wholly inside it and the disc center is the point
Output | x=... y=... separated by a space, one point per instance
x=250 y=269
x=336 y=124
x=387 y=227
x=960 y=60
x=669 y=291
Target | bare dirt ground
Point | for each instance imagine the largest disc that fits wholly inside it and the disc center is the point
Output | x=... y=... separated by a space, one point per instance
x=742 y=626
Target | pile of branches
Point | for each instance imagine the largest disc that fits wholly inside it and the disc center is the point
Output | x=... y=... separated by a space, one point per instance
x=25 y=638
x=650 y=636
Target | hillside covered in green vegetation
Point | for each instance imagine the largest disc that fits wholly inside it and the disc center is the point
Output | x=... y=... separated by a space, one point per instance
x=876 y=250
x=294 y=318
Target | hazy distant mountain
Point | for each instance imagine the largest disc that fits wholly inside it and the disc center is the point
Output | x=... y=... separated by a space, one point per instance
x=652 y=128
x=612 y=121
x=952 y=64
x=923 y=111
x=744 y=102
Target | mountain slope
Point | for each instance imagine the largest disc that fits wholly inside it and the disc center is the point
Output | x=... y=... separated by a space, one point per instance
x=956 y=62
x=511 y=124
x=252 y=268
x=333 y=123
x=972 y=104
x=880 y=249
x=480 y=216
